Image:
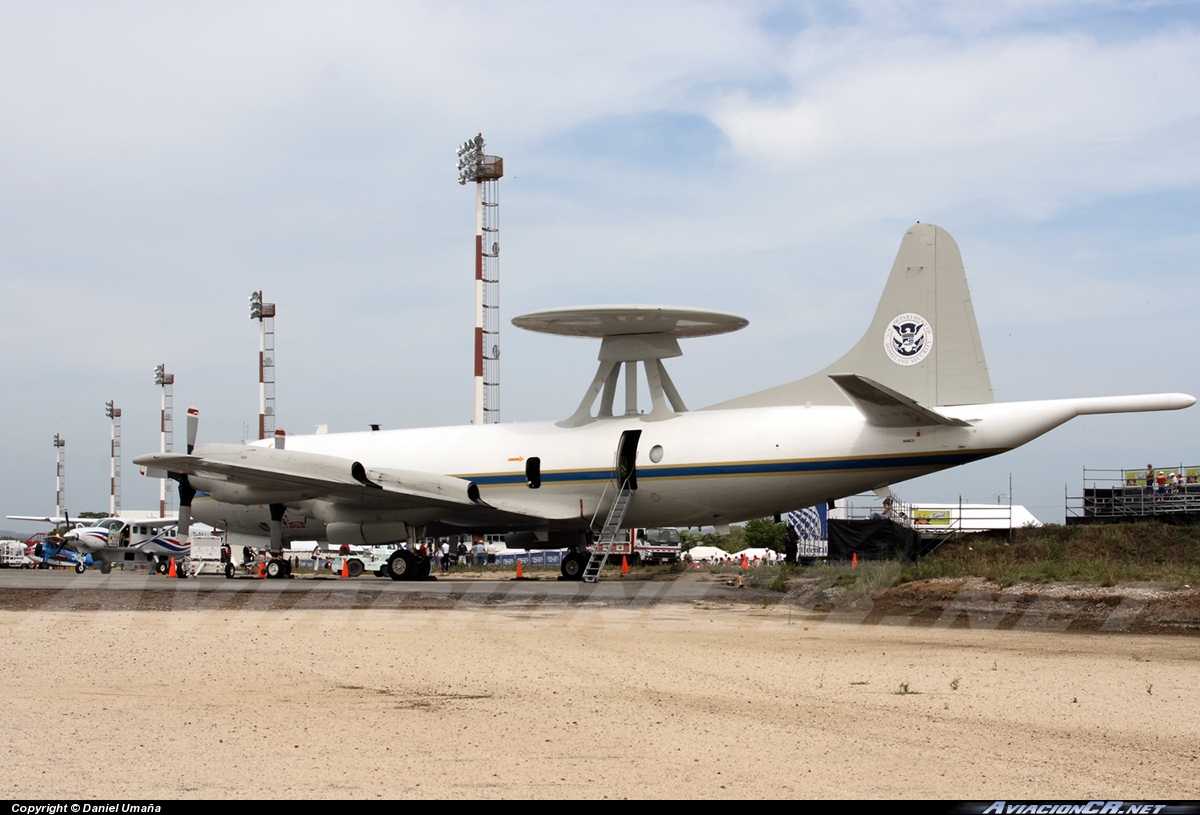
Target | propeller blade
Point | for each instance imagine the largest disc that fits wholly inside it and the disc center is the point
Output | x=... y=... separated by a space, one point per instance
x=185 y=516
x=186 y=493
x=193 y=424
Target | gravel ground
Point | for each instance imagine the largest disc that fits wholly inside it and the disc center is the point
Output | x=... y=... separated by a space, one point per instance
x=958 y=691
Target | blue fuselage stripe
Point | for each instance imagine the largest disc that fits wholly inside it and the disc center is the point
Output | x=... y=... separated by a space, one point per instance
x=751 y=468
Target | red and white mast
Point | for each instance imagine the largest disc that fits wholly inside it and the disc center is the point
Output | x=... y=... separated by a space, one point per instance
x=485 y=171
x=114 y=467
x=60 y=477
x=265 y=314
x=166 y=426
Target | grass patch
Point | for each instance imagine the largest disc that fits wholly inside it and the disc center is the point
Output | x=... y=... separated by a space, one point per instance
x=1101 y=555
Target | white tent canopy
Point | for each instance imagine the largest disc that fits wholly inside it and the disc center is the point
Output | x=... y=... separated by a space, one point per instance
x=708 y=553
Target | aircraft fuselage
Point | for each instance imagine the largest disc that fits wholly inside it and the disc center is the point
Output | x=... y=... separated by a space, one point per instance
x=707 y=467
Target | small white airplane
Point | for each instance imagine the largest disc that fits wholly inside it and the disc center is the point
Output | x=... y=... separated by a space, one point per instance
x=121 y=539
x=130 y=540
x=912 y=397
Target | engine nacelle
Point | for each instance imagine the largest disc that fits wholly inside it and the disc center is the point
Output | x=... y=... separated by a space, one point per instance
x=230 y=493
x=371 y=533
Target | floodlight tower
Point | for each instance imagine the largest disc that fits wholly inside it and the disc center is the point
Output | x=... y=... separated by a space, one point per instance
x=265 y=314
x=167 y=426
x=485 y=171
x=59 y=479
x=114 y=467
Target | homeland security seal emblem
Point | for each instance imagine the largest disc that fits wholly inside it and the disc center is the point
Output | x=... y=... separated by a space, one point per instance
x=908 y=339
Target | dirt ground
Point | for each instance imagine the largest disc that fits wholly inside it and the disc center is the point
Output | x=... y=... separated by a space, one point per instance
x=983 y=699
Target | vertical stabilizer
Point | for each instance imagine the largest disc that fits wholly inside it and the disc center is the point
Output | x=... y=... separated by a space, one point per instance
x=923 y=340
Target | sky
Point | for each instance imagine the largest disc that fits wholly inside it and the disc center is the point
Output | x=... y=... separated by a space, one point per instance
x=159 y=162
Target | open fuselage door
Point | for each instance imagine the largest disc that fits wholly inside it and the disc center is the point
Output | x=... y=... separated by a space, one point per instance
x=625 y=477
x=626 y=469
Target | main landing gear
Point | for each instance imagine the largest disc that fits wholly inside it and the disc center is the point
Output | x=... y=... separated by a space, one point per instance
x=404 y=565
x=573 y=565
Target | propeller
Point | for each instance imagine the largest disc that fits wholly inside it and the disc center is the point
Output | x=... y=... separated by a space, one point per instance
x=186 y=491
x=67 y=529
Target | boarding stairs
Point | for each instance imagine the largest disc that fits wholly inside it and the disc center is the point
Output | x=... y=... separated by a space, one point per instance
x=609 y=533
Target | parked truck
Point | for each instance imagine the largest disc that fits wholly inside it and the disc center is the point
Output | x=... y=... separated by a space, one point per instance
x=650 y=546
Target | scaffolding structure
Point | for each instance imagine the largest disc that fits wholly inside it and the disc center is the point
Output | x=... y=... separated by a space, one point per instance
x=1127 y=496
x=486 y=171
x=265 y=314
x=166 y=427
x=60 y=480
x=939 y=520
x=114 y=467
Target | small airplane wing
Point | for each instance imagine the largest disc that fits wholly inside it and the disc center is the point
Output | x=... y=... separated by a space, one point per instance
x=884 y=407
x=42 y=518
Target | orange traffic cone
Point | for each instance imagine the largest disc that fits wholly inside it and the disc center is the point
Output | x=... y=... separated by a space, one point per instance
x=171 y=569
x=624 y=565
x=745 y=563
x=520 y=573
x=345 y=567
x=854 y=560
x=262 y=570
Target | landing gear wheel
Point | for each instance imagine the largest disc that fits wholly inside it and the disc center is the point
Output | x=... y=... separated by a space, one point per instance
x=105 y=567
x=79 y=567
x=229 y=570
x=400 y=565
x=573 y=565
x=275 y=568
x=160 y=567
x=355 y=568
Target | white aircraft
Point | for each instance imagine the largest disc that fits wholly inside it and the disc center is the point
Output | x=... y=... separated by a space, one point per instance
x=912 y=397
x=130 y=540
x=122 y=539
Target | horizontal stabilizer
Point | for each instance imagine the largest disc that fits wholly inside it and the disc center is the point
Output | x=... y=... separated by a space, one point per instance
x=884 y=407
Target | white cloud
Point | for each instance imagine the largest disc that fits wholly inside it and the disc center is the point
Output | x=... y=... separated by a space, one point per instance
x=1030 y=120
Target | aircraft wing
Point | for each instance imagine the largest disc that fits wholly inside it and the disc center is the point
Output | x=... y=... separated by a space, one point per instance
x=270 y=475
x=884 y=407
x=42 y=518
